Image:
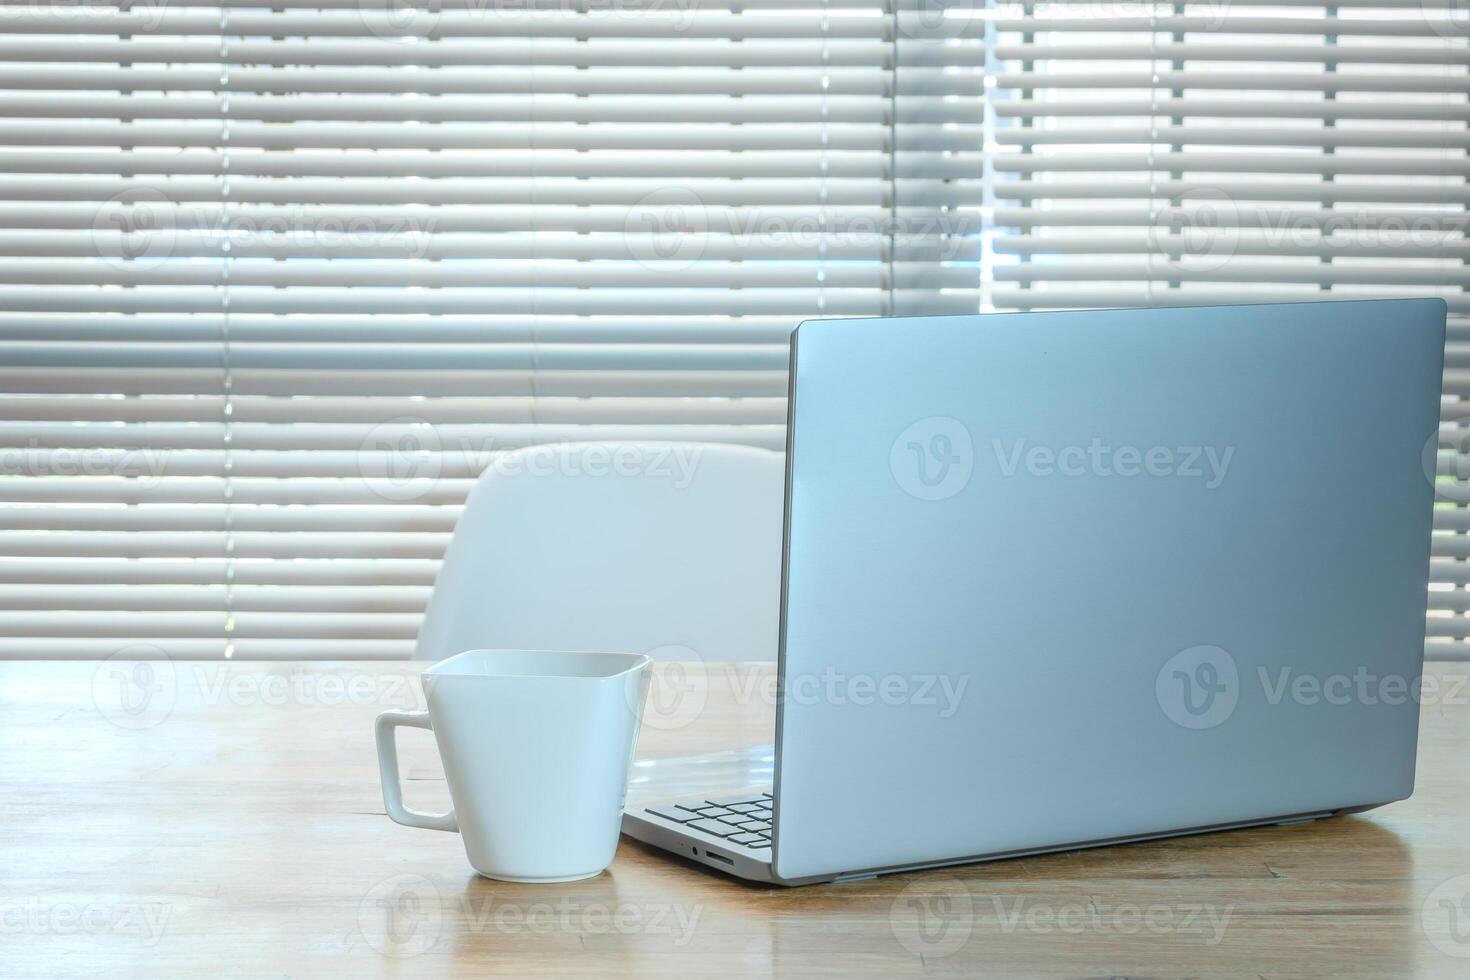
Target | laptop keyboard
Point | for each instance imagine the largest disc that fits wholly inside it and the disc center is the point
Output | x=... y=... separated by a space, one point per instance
x=743 y=820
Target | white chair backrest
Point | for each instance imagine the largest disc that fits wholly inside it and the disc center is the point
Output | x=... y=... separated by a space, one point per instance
x=669 y=549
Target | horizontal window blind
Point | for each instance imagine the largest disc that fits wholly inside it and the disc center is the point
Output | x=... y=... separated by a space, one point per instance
x=1187 y=153
x=276 y=283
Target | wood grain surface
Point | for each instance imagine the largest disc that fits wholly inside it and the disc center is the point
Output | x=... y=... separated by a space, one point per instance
x=224 y=819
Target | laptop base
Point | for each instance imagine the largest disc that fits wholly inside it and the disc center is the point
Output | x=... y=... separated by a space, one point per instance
x=736 y=861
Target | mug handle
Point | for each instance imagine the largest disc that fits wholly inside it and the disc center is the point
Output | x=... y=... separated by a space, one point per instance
x=388 y=772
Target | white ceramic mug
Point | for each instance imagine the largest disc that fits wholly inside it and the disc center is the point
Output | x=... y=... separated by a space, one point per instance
x=536 y=747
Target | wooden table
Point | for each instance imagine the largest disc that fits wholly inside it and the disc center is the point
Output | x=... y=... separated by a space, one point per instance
x=230 y=825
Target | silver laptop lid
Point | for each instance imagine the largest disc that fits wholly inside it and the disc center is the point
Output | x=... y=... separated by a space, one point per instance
x=1057 y=577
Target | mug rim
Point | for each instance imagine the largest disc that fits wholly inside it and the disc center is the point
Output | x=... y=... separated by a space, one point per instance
x=633 y=663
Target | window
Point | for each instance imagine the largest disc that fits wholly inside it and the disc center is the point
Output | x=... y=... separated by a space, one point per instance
x=279 y=280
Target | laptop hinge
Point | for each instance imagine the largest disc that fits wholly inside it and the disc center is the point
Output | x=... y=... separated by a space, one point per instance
x=1305 y=818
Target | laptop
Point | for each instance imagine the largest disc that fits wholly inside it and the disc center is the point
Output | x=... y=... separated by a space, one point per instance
x=1063 y=580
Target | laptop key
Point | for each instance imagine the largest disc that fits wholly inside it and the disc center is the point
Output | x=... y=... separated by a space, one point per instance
x=715 y=811
x=714 y=827
x=760 y=814
x=744 y=798
x=673 y=813
x=746 y=839
x=733 y=819
x=754 y=825
x=759 y=844
x=743 y=807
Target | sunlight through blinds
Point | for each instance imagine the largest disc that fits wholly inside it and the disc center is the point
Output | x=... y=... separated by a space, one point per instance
x=276 y=283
